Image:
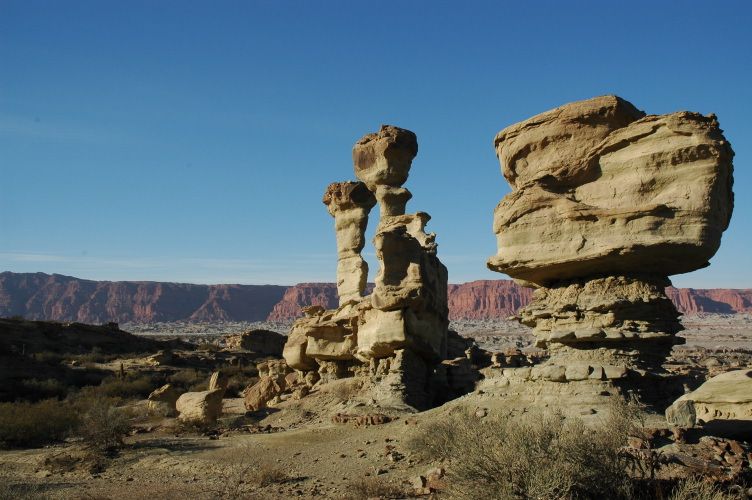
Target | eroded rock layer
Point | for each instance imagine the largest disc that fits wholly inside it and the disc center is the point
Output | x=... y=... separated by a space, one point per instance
x=396 y=336
x=606 y=204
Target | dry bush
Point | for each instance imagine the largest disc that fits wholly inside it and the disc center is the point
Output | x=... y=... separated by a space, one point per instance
x=136 y=385
x=266 y=475
x=373 y=487
x=190 y=380
x=36 y=424
x=694 y=488
x=21 y=491
x=103 y=425
x=542 y=456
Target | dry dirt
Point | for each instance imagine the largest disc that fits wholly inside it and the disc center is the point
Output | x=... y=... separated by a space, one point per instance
x=295 y=450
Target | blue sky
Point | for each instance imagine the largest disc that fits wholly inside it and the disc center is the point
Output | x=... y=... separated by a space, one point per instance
x=192 y=141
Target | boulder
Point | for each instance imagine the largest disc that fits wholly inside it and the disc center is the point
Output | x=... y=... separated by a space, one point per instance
x=294 y=351
x=725 y=397
x=203 y=407
x=163 y=400
x=258 y=396
x=682 y=414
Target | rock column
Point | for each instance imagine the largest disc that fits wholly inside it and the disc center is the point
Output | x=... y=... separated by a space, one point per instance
x=349 y=203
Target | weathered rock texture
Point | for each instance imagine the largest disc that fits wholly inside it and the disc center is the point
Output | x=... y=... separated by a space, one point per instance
x=599 y=188
x=396 y=335
x=606 y=204
x=723 y=403
x=349 y=204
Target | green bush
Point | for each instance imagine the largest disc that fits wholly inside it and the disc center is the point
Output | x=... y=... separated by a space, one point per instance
x=36 y=424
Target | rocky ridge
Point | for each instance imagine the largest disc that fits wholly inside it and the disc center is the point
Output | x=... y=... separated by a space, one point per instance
x=63 y=298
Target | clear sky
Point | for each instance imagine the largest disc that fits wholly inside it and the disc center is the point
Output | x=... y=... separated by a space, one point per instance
x=192 y=141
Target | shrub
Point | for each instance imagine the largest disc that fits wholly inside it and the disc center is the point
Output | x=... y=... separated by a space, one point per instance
x=24 y=491
x=694 y=488
x=36 y=389
x=35 y=424
x=190 y=379
x=103 y=425
x=543 y=456
x=265 y=475
x=132 y=386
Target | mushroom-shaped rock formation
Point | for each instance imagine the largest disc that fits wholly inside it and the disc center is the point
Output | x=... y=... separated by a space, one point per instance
x=397 y=336
x=606 y=203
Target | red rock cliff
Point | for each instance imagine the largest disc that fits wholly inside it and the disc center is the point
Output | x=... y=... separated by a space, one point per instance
x=63 y=298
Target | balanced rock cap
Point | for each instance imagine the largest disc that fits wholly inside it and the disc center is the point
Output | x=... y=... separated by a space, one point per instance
x=384 y=158
x=348 y=195
x=598 y=192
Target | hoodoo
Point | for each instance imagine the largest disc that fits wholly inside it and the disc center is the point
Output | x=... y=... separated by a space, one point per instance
x=396 y=337
x=606 y=203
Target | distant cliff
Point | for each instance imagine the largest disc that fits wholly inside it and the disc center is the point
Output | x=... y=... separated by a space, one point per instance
x=63 y=298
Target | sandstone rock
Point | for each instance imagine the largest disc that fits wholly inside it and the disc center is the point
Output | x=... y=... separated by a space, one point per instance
x=384 y=158
x=273 y=368
x=682 y=414
x=163 y=400
x=606 y=204
x=672 y=174
x=203 y=407
x=349 y=203
x=294 y=351
x=394 y=335
x=727 y=396
x=258 y=396
x=259 y=341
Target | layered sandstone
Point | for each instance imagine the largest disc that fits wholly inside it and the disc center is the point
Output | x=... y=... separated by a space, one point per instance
x=398 y=333
x=349 y=203
x=652 y=195
x=606 y=204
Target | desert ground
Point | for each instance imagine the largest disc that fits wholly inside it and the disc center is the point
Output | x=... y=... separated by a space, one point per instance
x=333 y=442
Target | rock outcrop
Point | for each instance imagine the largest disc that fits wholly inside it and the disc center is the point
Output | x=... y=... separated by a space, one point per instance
x=396 y=335
x=723 y=403
x=487 y=299
x=258 y=341
x=606 y=204
x=163 y=399
x=64 y=298
x=202 y=407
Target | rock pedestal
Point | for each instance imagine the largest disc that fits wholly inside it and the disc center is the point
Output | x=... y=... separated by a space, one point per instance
x=397 y=335
x=606 y=203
